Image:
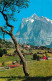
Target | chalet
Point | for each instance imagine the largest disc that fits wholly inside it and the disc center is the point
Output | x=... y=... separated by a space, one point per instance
x=27 y=46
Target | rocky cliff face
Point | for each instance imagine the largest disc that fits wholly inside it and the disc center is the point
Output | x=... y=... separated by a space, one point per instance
x=35 y=30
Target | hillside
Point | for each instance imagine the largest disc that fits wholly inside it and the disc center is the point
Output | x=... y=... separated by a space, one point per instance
x=5 y=44
x=38 y=71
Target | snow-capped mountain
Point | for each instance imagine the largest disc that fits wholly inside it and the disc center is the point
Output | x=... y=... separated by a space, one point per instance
x=35 y=30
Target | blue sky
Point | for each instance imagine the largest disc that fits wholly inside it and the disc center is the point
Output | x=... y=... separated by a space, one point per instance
x=39 y=7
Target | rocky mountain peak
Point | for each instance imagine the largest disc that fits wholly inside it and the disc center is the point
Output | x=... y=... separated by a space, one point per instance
x=35 y=30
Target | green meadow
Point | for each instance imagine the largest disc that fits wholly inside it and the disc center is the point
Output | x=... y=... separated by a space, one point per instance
x=38 y=70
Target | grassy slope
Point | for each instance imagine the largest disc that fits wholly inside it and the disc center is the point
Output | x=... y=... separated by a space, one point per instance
x=38 y=70
x=9 y=58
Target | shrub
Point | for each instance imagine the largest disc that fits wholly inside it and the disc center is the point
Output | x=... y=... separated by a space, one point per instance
x=35 y=56
x=2 y=51
x=38 y=58
x=3 y=64
x=5 y=51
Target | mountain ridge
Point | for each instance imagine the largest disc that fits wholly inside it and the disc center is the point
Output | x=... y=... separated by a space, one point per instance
x=35 y=30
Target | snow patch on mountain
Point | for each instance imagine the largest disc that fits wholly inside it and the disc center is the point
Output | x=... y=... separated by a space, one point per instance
x=31 y=20
x=47 y=19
